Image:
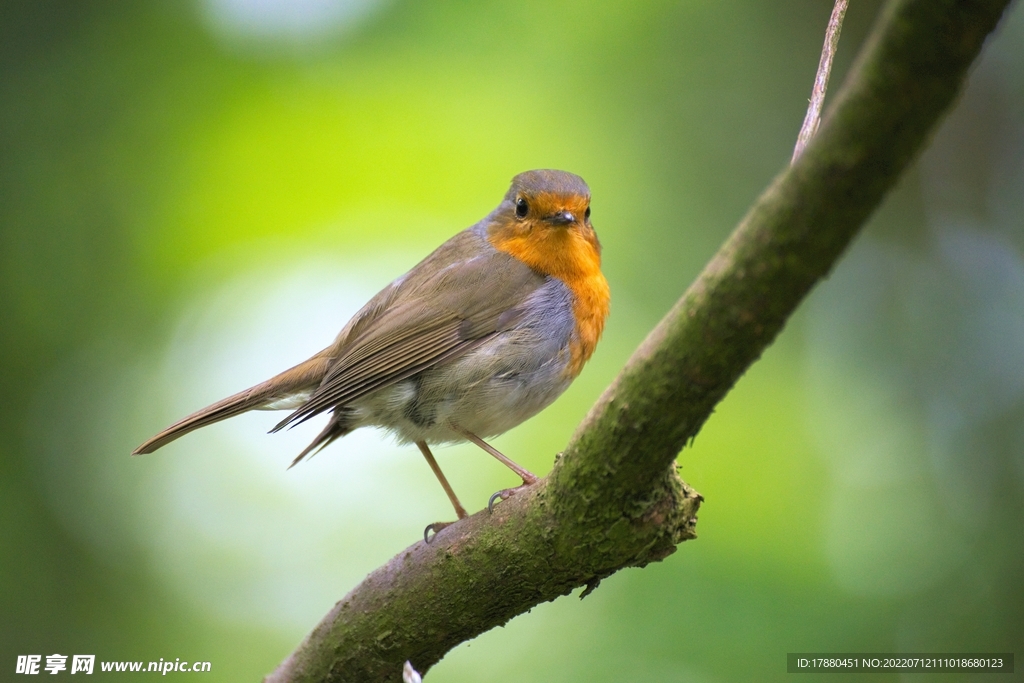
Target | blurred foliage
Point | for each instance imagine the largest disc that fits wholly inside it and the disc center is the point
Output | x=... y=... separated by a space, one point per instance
x=195 y=195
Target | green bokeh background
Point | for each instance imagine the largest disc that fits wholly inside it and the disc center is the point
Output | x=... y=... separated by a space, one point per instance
x=194 y=195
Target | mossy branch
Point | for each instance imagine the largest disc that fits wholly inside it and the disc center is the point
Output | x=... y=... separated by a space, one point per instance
x=613 y=499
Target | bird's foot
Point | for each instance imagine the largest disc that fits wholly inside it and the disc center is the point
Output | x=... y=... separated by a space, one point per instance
x=436 y=528
x=505 y=494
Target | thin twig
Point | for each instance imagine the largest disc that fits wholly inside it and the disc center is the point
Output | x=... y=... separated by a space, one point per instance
x=828 y=51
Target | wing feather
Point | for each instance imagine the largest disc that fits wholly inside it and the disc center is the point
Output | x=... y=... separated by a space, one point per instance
x=443 y=308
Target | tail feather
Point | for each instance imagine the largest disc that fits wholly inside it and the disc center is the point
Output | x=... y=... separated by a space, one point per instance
x=304 y=377
x=336 y=428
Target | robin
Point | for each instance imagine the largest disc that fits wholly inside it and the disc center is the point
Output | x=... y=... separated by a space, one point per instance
x=481 y=335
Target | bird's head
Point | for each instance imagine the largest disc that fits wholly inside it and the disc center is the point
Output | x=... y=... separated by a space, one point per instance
x=544 y=220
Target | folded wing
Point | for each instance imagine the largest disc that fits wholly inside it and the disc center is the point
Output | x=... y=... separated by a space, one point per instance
x=442 y=309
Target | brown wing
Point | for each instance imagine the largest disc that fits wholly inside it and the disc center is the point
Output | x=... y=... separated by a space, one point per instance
x=447 y=305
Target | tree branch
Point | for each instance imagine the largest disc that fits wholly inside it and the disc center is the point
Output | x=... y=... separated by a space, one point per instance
x=613 y=499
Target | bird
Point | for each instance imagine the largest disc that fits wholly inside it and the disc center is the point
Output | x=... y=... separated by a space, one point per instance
x=479 y=336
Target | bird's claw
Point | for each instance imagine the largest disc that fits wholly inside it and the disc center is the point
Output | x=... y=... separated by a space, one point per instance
x=505 y=494
x=435 y=527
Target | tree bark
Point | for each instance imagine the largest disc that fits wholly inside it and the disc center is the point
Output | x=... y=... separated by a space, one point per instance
x=613 y=498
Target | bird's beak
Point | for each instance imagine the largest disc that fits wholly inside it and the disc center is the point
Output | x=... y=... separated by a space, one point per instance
x=562 y=218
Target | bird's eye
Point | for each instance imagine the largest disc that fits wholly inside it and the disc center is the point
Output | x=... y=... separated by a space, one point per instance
x=521 y=208
x=586 y=214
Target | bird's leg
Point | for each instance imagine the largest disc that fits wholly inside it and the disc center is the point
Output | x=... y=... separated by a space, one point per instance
x=459 y=510
x=527 y=476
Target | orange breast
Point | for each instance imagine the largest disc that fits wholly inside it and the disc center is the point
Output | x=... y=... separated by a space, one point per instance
x=572 y=255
